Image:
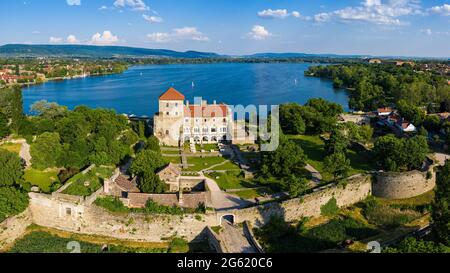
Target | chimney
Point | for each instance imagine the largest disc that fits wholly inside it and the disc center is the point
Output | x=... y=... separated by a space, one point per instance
x=215 y=102
x=187 y=103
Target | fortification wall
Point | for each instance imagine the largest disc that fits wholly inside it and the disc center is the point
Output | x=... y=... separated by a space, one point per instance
x=400 y=185
x=13 y=228
x=45 y=210
x=67 y=216
x=357 y=189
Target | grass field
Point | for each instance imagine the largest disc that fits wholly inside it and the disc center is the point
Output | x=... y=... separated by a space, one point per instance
x=94 y=177
x=253 y=193
x=41 y=179
x=173 y=159
x=203 y=163
x=231 y=180
x=11 y=147
x=227 y=167
x=314 y=148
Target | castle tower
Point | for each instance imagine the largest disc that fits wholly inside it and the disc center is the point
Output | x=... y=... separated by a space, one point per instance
x=169 y=119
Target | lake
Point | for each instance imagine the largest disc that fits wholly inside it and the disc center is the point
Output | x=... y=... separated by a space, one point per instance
x=136 y=91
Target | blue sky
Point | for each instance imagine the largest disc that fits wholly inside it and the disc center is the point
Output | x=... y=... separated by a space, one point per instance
x=376 y=27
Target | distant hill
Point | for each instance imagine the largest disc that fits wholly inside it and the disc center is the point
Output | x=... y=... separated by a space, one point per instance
x=87 y=51
x=301 y=55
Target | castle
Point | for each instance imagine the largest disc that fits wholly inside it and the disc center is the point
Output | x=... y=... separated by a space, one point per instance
x=178 y=122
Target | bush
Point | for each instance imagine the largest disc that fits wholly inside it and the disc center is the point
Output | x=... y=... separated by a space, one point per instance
x=387 y=216
x=178 y=245
x=330 y=209
x=153 y=207
x=12 y=202
x=112 y=204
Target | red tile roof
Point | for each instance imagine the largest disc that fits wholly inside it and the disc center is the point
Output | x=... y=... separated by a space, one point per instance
x=171 y=94
x=209 y=111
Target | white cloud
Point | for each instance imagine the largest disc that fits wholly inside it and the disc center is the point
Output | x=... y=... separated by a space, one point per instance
x=138 y=5
x=72 y=39
x=107 y=38
x=271 y=14
x=443 y=10
x=426 y=31
x=178 y=34
x=73 y=2
x=259 y=33
x=279 y=14
x=296 y=14
x=152 y=19
x=55 y=40
x=374 y=11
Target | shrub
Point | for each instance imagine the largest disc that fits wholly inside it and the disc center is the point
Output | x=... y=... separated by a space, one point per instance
x=112 y=204
x=12 y=202
x=330 y=209
x=178 y=245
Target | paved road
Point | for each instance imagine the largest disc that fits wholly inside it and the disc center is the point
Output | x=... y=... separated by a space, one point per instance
x=316 y=176
x=221 y=200
x=234 y=240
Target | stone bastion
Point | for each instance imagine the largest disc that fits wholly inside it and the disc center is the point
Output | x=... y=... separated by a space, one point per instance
x=401 y=185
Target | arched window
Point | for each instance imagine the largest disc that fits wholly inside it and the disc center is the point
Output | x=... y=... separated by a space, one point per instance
x=167 y=132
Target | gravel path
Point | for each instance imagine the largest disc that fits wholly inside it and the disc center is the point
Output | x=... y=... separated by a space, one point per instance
x=235 y=241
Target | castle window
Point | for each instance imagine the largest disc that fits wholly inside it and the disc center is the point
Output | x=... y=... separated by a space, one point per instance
x=68 y=211
x=224 y=120
x=196 y=130
x=186 y=120
x=205 y=130
x=176 y=113
x=206 y=120
x=176 y=104
x=167 y=132
x=224 y=129
x=168 y=113
x=167 y=105
x=213 y=130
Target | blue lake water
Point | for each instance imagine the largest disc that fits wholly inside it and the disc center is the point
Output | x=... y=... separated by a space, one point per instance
x=136 y=91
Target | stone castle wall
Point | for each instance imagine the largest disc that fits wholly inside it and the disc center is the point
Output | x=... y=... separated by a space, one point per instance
x=357 y=189
x=401 y=185
x=47 y=211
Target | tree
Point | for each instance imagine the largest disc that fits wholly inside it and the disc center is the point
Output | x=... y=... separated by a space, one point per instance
x=337 y=143
x=11 y=167
x=46 y=150
x=48 y=110
x=11 y=105
x=441 y=209
x=432 y=123
x=4 y=126
x=291 y=120
x=150 y=183
x=338 y=165
x=395 y=154
x=297 y=186
x=147 y=161
x=12 y=202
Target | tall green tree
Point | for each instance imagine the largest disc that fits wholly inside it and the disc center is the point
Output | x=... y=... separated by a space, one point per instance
x=12 y=202
x=11 y=169
x=338 y=165
x=4 y=126
x=46 y=150
x=441 y=206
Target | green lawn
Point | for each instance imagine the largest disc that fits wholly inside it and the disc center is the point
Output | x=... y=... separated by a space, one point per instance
x=41 y=179
x=227 y=166
x=94 y=178
x=170 y=152
x=173 y=159
x=11 y=147
x=203 y=163
x=253 y=193
x=231 y=180
x=313 y=146
x=207 y=147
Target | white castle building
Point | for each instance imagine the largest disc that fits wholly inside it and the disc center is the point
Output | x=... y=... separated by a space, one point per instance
x=177 y=122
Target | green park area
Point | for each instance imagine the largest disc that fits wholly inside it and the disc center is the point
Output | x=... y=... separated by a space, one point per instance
x=86 y=184
x=41 y=179
x=201 y=163
x=314 y=148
